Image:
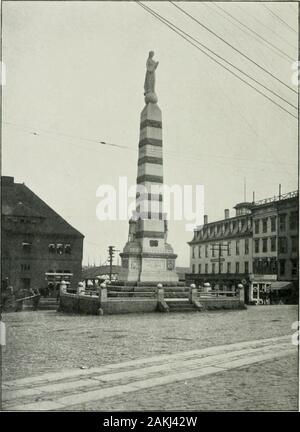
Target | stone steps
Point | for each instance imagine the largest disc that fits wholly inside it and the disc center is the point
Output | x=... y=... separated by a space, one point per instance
x=47 y=303
x=180 y=305
x=126 y=294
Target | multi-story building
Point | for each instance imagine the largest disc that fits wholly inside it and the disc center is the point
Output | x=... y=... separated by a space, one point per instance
x=258 y=247
x=265 y=221
x=221 y=252
x=39 y=248
x=288 y=239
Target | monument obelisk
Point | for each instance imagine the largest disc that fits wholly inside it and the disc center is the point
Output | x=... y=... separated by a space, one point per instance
x=147 y=257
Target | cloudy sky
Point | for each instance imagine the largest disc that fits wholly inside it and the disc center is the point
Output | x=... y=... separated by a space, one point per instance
x=74 y=77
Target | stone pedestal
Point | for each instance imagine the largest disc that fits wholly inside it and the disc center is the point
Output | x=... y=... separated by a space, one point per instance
x=147 y=257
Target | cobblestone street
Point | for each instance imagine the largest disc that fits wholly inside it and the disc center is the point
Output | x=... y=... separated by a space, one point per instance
x=213 y=365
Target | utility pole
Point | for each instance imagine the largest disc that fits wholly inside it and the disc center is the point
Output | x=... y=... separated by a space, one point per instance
x=111 y=252
x=220 y=247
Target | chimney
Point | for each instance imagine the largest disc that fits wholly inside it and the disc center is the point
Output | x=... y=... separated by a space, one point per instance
x=226 y=211
x=7 y=181
x=205 y=219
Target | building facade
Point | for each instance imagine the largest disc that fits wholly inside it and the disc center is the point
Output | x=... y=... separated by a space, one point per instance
x=39 y=248
x=257 y=247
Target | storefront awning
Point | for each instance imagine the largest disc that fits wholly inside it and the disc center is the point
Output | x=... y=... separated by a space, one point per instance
x=275 y=286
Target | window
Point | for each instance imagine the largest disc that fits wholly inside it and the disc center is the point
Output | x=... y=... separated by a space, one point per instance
x=193 y=268
x=199 y=252
x=294 y=244
x=282 y=245
x=228 y=267
x=59 y=248
x=67 y=248
x=213 y=251
x=246 y=267
x=265 y=245
x=273 y=266
x=294 y=267
x=293 y=220
x=213 y=267
x=199 y=268
x=256 y=246
x=282 y=219
x=221 y=267
x=264 y=225
x=25 y=267
x=246 y=246
x=153 y=243
x=193 y=251
x=237 y=267
x=206 y=251
x=282 y=267
x=206 y=268
x=229 y=247
x=273 y=223
x=237 y=247
x=26 y=246
x=51 y=247
x=256 y=226
x=273 y=244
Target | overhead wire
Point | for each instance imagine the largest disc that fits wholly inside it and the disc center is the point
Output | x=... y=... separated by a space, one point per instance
x=182 y=34
x=232 y=46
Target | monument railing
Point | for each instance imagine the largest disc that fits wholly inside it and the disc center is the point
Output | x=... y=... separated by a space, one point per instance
x=218 y=293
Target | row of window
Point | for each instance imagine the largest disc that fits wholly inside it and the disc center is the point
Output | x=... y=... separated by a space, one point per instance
x=58 y=248
x=219 y=250
x=269 y=244
x=261 y=225
x=222 y=228
x=262 y=266
x=222 y=269
x=283 y=267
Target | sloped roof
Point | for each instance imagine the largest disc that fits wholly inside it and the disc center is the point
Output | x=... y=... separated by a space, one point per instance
x=278 y=285
x=94 y=272
x=18 y=200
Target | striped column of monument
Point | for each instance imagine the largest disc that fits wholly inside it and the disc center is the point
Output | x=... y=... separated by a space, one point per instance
x=150 y=175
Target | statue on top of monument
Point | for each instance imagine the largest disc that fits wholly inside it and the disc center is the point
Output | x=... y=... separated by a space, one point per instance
x=149 y=85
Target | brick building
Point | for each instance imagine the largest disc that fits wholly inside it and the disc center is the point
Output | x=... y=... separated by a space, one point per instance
x=258 y=246
x=39 y=248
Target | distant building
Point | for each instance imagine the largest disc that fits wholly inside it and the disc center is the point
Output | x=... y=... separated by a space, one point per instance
x=39 y=248
x=221 y=252
x=92 y=274
x=258 y=246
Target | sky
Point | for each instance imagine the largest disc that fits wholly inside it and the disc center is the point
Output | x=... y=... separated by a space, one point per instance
x=74 y=76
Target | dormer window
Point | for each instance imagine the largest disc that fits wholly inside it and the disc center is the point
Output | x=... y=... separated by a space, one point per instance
x=59 y=248
x=26 y=246
x=51 y=247
x=67 y=248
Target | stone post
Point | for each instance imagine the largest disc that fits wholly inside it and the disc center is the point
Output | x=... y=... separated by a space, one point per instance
x=193 y=293
x=63 y=287
x=162 y=305
x=160 y=293
x=102 y=298
x=103 y=295
x=206 y=287
x=80 y=288
x=241 y=292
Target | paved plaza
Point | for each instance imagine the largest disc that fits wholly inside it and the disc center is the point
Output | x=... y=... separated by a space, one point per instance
x=231 y=360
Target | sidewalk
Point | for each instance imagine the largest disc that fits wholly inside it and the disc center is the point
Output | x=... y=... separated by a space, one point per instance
x=76 y=388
